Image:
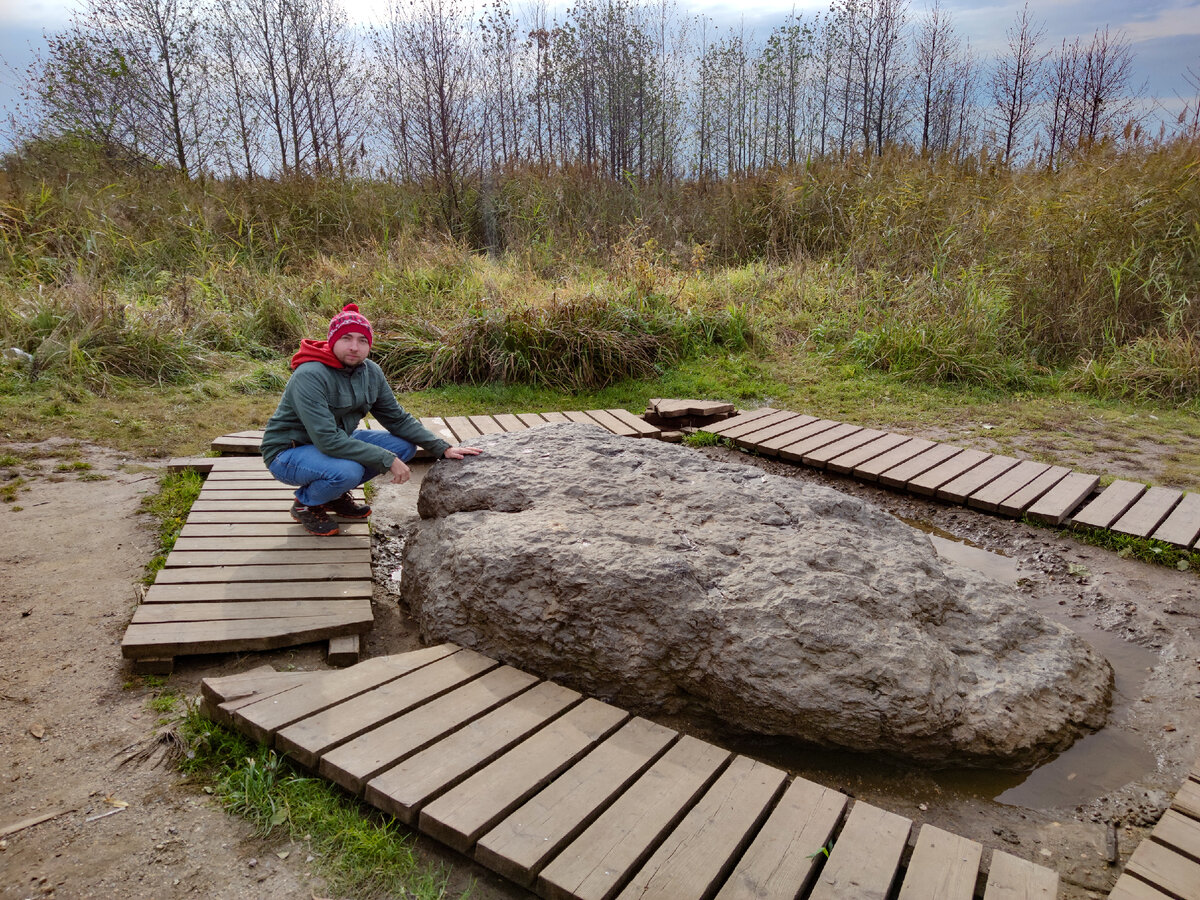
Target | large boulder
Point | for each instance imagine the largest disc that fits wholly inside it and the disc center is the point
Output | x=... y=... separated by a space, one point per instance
x=652 y=576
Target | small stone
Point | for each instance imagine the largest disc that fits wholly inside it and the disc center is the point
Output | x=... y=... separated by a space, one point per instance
x=252 y=862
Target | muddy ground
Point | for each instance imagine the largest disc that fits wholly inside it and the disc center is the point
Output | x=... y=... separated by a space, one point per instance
x=71 y=713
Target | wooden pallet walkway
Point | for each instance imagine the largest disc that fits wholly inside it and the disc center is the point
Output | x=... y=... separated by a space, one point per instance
x=991 y=482
x=1167 y=864
x=574 y=798
x=243 y=576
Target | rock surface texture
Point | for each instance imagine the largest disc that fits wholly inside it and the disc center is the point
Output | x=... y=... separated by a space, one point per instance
x=651 y=576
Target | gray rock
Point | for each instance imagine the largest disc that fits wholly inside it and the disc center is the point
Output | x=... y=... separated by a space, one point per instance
x=654 y=577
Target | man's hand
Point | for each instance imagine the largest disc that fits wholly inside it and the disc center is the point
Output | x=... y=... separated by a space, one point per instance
x=460 y=452
x=400 y=472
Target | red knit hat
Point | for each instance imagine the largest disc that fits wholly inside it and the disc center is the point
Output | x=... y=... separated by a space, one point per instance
x=348 y=320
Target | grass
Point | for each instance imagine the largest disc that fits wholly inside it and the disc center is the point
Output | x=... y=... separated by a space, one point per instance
x=169 y=507
x=355 y=849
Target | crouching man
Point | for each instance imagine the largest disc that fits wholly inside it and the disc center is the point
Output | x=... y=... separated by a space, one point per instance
x=313 y=439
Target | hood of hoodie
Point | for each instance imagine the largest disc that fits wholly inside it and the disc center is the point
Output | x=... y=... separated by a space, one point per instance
x=316 y=351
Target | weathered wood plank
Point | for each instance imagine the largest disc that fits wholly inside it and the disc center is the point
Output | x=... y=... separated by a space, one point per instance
x=613 y=847
x=459 y=817
x=579 y=417
x=520 y=846
x=866 y=857
x=898 y=455
x=438 y=426
x=532 y=420
x=238 y=481
x=280 y=493
x=464 y=431
x=812 y=429
x=554 y=418
x=944 y=866
x=1150 y=511
x=222 y=474
x=779 y=417
x=751 y=439
x=300 y=540
x=899 y=476
x=607 y=420
x=1187 y=798
x=644 y=428
x=1129 y=888
x=201 y=464
x=215 y=505
x=783 y=858
x=357 y=761
x=1015 y=479
x=276 y=514
x=230 y=591
x=1179 y=832
x=849 y=461
x=966 y=484
x=1012 y=878
x=232 y=636
x=1182 y=526
x=307 y=739
x=694 y=858
x=260 y=721
x=677 y=408
x=741 y=419
x=1021 y=500
x=404 y=789
x=509 y=422
x=927 y=483
x=1110 y=505
x=260 y=529
x=216 y=611
x=220 y=696
x=820 y=457
x=799 y=451
x=486 y=425
x=1061 y=500
x=344 y=651
x=193 y=567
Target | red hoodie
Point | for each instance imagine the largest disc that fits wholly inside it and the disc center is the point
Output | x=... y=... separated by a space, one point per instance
x=316 y=351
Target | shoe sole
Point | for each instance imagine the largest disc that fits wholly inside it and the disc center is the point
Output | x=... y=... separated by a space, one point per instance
x=316 y=533
x=365 y=515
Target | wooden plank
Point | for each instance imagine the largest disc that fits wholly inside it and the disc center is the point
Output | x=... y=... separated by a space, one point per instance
x=344 y=651
x=216 y=505
x=1110 y=505
x=162 y=640
x=221 y=475
x=1062 y=499
x=532 y=420
x=459 y=817
x=291 y=565
x=279 y=494
x=820 y=457
x=737 y=421
x=783 y=859
x=261 y=721
x=644 y=428
x=462 y=428
x=1179 y=832
x=579 y=417
x=554 y=418
x=848 y=462
x=223 y=710
x=521 y=845
x=260 y=529
x=1149 y=512
x=991 y=495
x=256 y=682
x=695 y=857
x=201 y=464
x=902 y=453
x=927 y=483
x=403 y=790
x=1182 y=526
x=812 y=429
x=800 y=450
x=1187 y=798
x=357 y=761
x=267 y=515
x=1012 y=878
x=240 y=481
x=509 y=422
x=944 y=866
x=753 y=438
x=864 y=861
x=899 y=476
x=771 y=420
x=199 y=611
x=605 y=419
x=1129 y=888
x=614 y=846
x=438 y=426
x=676 y=408
x=229 y=591
x=486 y=425
x=307 y=739
x=1021 y=500
x=237 y=463
x=300 y=540
x=966 y=484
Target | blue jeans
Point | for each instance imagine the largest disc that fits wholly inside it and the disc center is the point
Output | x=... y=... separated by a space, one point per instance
x=323 y=478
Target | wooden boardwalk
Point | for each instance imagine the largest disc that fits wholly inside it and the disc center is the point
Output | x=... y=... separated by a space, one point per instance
x=1167 y=864
x=991 y=482
x=574 y=798
x=243 y=576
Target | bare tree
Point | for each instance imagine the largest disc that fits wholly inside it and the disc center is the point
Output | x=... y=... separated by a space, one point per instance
x=1015 y=80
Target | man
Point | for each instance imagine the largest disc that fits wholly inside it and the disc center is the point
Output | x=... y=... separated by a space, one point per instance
x=313 y=439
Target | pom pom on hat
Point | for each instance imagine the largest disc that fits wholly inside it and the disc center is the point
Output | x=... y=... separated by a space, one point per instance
x=348 y=320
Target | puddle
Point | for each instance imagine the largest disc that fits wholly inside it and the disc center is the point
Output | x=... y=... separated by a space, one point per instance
x=1092 y=767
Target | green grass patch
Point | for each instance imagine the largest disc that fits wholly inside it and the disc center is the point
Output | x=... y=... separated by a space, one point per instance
x=1145 y=549
x=177 y=491
x=358 y=851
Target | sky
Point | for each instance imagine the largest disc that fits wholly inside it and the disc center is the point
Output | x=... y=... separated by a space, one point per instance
x=1165 y=34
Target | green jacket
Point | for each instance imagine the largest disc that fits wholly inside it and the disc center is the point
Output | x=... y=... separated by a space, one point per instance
x=322 y=405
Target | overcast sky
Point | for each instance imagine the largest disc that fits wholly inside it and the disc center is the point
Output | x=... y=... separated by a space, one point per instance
x=1165 y=33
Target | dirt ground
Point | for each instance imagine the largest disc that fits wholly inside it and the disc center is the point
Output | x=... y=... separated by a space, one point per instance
x=71 y=712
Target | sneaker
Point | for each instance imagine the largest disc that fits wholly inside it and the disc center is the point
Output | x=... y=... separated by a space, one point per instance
x=345 y=507
x=313 y=519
